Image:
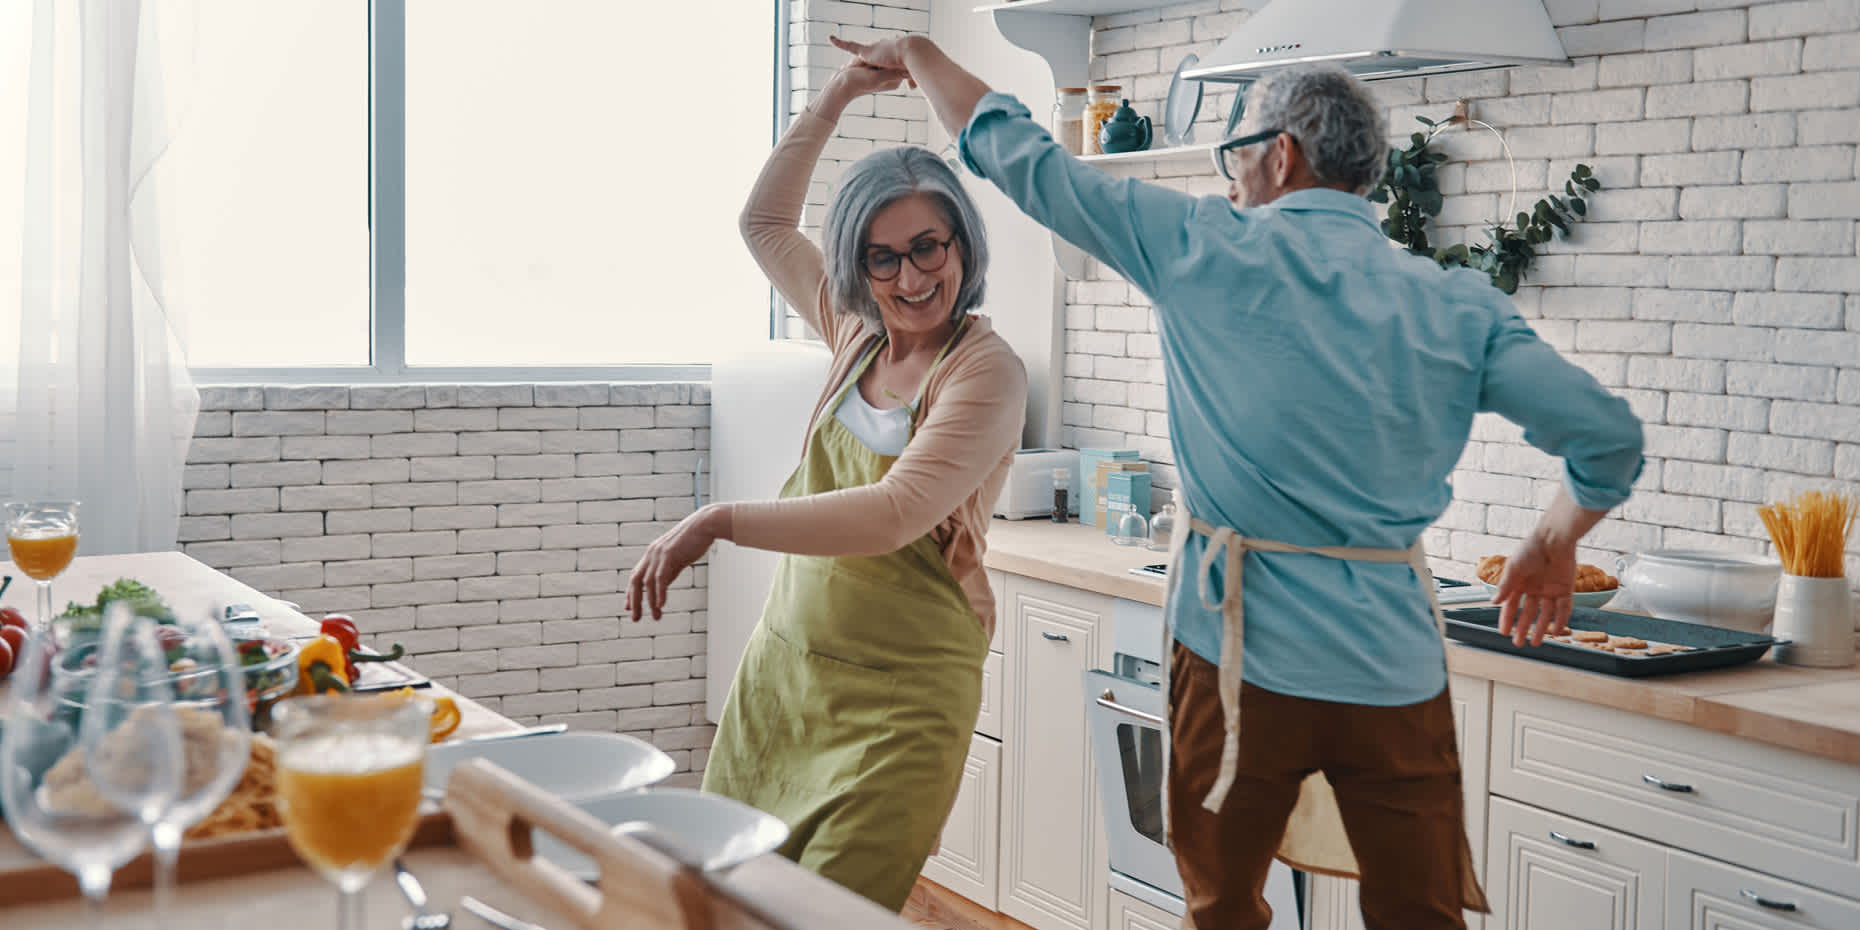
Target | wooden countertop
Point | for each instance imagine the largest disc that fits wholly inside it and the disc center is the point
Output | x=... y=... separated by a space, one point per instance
x=1816 y=711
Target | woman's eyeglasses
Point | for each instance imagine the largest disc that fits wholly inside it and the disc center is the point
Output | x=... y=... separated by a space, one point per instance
x=1223 y=152
x=926 y=255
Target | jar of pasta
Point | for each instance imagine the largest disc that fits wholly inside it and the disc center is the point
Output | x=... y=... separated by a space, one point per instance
x=1103 y=103
x=1069 y=119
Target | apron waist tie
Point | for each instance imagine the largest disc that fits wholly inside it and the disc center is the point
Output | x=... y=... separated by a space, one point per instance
x=1224 y=540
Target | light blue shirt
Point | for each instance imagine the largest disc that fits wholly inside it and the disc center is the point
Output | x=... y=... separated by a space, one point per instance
x=1321 y=386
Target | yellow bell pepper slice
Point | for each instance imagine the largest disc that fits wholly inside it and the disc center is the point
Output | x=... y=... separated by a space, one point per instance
x=446 y=715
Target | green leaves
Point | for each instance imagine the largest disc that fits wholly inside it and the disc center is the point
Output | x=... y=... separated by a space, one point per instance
x=1412 y=193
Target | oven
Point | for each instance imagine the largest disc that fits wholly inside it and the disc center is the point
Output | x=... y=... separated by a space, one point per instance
x=1125 y=708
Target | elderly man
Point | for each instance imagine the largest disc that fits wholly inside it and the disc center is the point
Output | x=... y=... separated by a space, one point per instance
x=1321 y=387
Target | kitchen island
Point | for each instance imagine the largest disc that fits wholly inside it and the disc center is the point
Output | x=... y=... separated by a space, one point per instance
x=270 y=888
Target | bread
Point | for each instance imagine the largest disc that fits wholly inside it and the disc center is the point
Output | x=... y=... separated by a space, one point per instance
x=1588 y=577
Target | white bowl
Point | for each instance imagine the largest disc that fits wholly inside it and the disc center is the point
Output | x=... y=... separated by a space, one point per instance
x=574 y=764
x=1721 y=589
x=716 y=831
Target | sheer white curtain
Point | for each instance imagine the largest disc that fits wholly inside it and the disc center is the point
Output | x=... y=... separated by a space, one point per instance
x=103 y=408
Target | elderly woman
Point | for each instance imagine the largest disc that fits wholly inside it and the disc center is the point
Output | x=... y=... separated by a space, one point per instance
x=851 y=712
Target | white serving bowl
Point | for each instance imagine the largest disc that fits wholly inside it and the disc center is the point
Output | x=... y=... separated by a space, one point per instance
x=717 y=832
x=571 y=765
x=1721 y=589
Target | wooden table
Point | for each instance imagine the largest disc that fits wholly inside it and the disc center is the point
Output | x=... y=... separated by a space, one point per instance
x=290 y=897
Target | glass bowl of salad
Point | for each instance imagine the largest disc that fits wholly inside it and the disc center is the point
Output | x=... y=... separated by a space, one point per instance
x=269 y=664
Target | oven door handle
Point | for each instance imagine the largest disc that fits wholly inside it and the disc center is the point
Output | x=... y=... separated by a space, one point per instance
x=1108 y=701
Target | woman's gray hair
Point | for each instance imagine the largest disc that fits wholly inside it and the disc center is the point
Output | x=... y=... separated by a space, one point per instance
x=876 y=182
x=1335 y=119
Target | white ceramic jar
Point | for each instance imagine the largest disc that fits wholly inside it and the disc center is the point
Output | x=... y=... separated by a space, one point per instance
x=1721 y=589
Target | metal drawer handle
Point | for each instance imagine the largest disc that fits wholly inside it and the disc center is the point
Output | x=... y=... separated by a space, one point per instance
x=1665 y=785
x=1571 y=841
x=1770 y=903
x=1056 y=637
x=1108 y=701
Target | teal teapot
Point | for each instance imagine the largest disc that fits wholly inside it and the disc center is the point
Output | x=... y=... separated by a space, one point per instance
x=1125 y=131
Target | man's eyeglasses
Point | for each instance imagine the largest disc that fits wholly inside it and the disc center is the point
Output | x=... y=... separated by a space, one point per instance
x=1223 y=151
x=927 y=255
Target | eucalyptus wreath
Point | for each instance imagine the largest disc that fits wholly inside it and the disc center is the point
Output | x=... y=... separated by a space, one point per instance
x=1410 y=188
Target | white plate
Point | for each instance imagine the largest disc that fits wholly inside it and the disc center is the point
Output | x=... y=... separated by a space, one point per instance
x=575 y=764
x=1182 y=105
x=718 y=831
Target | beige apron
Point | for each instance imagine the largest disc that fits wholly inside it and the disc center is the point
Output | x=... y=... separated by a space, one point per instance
x=1315 y=840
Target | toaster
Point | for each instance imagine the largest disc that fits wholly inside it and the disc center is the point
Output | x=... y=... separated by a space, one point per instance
x=1028 y=491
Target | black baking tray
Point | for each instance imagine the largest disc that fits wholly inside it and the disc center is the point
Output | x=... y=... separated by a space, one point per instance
x=1712 y=647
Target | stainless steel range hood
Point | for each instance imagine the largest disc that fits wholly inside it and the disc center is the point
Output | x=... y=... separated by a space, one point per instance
x=1382 y=39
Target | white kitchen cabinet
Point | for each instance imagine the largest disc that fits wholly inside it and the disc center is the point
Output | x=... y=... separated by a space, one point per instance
x=1335 y=903
x=988 y=719
x=1128 y=913
x=997 y=582
x=1545 y=871
x=967 y=860
x=1706 y=895
x=1053 y=859
x=1774 y=810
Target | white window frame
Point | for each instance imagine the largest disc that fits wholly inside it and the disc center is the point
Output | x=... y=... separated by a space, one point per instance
x=387 y=210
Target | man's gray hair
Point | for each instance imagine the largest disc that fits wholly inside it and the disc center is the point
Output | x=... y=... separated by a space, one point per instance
x=1335 y=119
x=866 y=189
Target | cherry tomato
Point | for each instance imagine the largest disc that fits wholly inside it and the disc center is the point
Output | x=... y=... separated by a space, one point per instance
x=14 y=636
x=6 y=658
x=170 y=637
x=10 y=616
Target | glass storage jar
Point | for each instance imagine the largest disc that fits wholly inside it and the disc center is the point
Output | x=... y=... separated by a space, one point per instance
x=1104 y=102
x=1069 y=119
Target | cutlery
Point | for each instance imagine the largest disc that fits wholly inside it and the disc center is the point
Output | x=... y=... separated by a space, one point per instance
x=495 y=917
x=513 y=734
x=422 y=918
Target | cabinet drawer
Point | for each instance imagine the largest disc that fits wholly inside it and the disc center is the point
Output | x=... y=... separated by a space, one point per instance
x=988 y=723
x=1706 y=895
x=1544 y=870
x=1784 y=813
x=997 y=582
x=1128 y=913
x=967 y=856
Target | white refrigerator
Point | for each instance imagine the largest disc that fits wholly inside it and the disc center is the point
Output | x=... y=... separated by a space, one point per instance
x=760 y=402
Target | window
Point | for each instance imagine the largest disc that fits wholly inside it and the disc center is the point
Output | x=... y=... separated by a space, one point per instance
x=572 y=176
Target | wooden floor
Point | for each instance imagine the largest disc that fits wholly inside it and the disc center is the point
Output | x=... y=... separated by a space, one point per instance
x=933 y=906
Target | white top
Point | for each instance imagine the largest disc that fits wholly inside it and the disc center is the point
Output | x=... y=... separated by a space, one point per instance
x=882 y=431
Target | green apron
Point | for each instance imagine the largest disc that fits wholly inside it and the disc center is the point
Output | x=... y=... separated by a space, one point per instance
x=851 y=712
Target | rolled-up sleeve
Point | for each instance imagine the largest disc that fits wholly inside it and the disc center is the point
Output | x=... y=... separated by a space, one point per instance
x=1565 y=412
x=1138 y=229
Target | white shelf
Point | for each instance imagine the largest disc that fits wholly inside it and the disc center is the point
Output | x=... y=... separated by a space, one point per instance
x=1167 y=154
x=1078 y=7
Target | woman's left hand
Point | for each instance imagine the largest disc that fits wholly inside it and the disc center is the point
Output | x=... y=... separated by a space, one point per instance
x=671 y=554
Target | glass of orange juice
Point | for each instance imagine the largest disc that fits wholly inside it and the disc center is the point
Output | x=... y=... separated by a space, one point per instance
x=42 y=536
x=349 y=775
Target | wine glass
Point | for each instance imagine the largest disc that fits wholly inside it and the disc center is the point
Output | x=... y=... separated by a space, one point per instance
x=52 y=805
x=349 y=775
x=42 y=536
x=195 y=664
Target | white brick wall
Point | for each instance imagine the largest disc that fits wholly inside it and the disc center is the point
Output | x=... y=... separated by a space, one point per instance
x=488 y=528
x=1715 y=285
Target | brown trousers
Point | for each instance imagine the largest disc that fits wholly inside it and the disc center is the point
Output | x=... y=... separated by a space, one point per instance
x=1396 y=773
